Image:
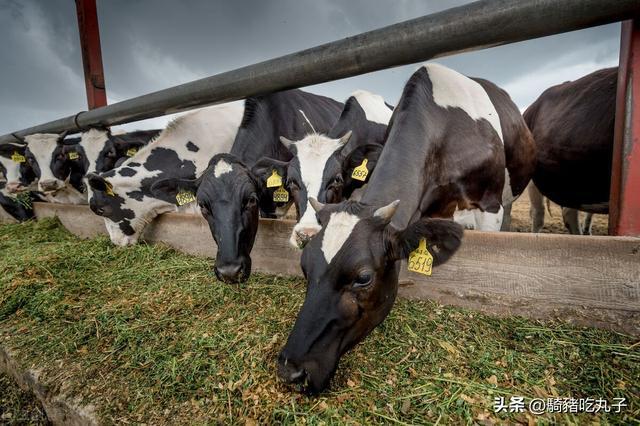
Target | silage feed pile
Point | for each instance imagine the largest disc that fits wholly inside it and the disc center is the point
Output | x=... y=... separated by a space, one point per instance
x=146 y=334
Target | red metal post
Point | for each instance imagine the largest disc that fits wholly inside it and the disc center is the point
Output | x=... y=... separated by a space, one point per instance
x=91 y=53
x=624 y=203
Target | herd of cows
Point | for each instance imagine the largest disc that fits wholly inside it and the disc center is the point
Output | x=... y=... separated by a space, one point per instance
x=371 y=184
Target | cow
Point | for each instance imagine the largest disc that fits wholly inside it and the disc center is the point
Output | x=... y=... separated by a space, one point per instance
x=323 y=165
x=100 y=150
x=444 y=150
x=572 y=125
x=17 y=174
x=54 y=178
x=232 y=193
x=123 y=197
x=570 y=216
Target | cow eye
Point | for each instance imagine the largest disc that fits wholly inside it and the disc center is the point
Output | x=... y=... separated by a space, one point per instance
x=293 y=186
x=204 y=210
x=251 y=201
x=363 y=279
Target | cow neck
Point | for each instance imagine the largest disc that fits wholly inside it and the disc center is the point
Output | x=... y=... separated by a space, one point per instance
x=401 y=172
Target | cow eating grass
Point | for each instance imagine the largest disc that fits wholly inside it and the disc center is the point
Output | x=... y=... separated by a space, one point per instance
x=444 y=151
x=233 y=192
x=123 y=196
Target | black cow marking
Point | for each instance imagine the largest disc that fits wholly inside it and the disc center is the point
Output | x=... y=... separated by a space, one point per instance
x=192 y=147
x=127 y=171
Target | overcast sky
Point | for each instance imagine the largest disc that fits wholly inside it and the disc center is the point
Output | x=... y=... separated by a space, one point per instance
x=149 y=45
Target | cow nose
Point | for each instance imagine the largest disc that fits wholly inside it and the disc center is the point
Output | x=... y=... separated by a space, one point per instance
x=48 y=185
x=304 y=235
x=229 y=273
x=12 y=187
x=289 y=371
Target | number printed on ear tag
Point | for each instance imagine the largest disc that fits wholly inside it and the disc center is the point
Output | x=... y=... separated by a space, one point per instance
x=73 y=155
x=131 y=152
x=275 y=180
x=360 y=173
x=420 y=260
x=281 y=195
x=18 y=158
x=109 y=190
x=185 y=197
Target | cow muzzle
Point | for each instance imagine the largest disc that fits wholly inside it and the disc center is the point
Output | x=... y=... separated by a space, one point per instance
x=14 y=187
x=302 y=235
x=231 y=273
x=50 y=185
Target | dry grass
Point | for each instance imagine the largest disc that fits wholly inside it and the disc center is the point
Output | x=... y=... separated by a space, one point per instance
x=146 y=334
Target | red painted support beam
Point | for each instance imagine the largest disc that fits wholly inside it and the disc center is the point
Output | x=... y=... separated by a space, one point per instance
x=91 y=53
x=624 y=203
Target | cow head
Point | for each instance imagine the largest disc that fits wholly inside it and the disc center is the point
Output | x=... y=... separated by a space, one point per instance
x=228 y=195
x=351 y=268
x=15 y=168
x=45 y=154
x=321 y=168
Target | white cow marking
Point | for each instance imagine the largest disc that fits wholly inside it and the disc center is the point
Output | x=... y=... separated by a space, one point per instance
x=221 y=168
x=92 y=143
x=374 y=107
x=312 y=152
x=452 y=89
x=337 y=232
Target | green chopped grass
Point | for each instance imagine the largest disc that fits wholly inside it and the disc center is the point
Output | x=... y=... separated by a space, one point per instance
x=147 y=334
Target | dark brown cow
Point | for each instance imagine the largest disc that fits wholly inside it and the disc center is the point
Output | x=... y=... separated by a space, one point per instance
x=572 y=125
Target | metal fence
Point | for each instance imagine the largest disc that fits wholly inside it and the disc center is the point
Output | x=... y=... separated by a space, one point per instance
x=478 y=25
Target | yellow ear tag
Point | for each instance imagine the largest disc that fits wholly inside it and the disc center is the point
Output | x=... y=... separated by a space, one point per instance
x=360 y=173
x=281 y=195
x=109 y=190
x=420 y=260
x=131 y=152
x=73 y=155
x=18 y=158
x=275 y=180
x=184 y=197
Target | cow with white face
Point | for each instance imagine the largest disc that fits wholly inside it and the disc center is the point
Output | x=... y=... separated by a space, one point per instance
x=16 y=174
x=123 y=195
x=232 y=193
x=55 y=179
x=323 y=165
x=444 y=151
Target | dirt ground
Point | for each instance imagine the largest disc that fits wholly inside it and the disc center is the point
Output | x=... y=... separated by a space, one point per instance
x=520 y=221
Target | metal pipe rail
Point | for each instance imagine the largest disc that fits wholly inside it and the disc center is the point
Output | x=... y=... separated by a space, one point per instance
x=478 y=25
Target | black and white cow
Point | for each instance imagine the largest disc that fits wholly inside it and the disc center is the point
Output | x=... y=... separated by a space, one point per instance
x=323 y=164
x=444 y=150
x=232 y=192
x=17 y=174
x=55 y=179
x=100 y=150
x=573 y=124
x=123 y=195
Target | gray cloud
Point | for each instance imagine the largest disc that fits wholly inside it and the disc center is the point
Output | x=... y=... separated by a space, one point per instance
x=149 y=45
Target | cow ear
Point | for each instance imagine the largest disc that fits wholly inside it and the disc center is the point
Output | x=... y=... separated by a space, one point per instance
x=265 y=167
x=443 y=237
x=7 y=149
x=97 y=182
x=168 y=189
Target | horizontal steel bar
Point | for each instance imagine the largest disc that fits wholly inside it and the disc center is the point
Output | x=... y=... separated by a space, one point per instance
x=474 y=26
